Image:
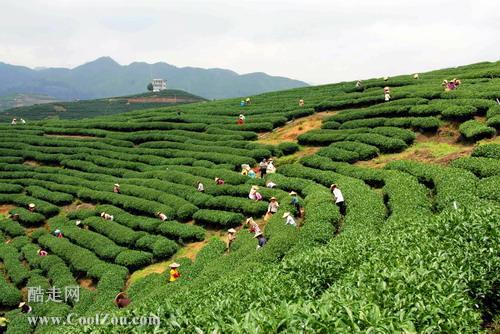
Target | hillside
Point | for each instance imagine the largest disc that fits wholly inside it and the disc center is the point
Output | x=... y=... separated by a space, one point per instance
x=99 y=107
x=104 y=77
x=416 y=250
x=21 y=100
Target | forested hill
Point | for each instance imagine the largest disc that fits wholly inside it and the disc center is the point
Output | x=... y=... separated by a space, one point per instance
x=104 y=77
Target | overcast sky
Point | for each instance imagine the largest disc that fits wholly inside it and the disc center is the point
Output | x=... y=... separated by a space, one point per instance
x=311 y=40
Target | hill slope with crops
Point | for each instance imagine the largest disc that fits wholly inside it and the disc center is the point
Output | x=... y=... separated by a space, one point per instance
x=99 y=107
x=416 y=250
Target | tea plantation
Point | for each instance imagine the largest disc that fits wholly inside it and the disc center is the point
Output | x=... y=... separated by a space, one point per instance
x=416 y=252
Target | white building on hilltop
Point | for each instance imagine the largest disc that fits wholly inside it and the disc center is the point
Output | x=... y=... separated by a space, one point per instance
x=159 y=85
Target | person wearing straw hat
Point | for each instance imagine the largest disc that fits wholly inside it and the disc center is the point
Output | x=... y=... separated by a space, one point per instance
x=14 y=216
x=289 y=219
x=78 y=223
x=14 y=121
x=261 y=239
x=416 y=76
x=270 y=167
x=273 y=206
x=301 y=102
x=174 y=272
x=386 y=78
x=25 y=308
x=32 y=207
x=295 y=202
x=219 y=181
x=252 y=174
x=339 y=198
x=41 y=252
x=359 y=84
x=107 y=216
x=3 y=324
x=253 y=227
x=263 y=167
x=163 y=217
x=231 y=236
x=248 y=101
x=254 y=195
x=270 y=184
x=58 y=233
x=116 y=188
x=121 y=300
x=201 y=187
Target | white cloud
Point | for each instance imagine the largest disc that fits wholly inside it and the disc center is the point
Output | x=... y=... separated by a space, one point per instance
x=316 y=41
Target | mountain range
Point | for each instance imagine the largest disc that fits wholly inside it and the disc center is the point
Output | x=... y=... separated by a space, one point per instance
x=104 y=77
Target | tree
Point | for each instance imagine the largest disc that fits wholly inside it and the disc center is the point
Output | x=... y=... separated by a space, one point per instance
x=150 y=87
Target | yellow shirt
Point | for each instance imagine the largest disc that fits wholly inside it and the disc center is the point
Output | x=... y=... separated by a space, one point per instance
x=174 y=275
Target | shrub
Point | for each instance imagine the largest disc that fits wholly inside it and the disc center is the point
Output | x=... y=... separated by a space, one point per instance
x=487 y=151
x=11 y=227
x=459 y=112
x=161 y=247
x=473 y=130
x=385 y=144
x=364 y=151
x=288 y=147
x=482 y=167
x=218 y=218
x=494 y=122
x=338 y=154
x=184 y=232
x=133 y=259
x=8 y=188
x=27 y=217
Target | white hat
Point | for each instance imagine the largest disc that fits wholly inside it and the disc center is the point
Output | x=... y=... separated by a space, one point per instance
x=31 y=205
x=103 y=213
x=255 y=187
x=231 y=230
x=216 y=179
x=293 y=193
x=117 y=185
x=21 y=304
x=272 y=198
x=78 y=222
x=257 y=234
x=249 y=219
x=174 y=265
x=39 y=251
x=386 y=78
x=286 y=214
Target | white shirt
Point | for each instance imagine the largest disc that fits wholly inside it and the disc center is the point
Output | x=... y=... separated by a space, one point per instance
x=162 y=217
x=290 y=221
x=338 y=195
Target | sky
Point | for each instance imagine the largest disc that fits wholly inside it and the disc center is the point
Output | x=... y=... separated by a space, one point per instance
x=317 y=41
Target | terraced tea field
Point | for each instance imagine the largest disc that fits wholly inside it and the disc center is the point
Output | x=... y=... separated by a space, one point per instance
x=416 y=251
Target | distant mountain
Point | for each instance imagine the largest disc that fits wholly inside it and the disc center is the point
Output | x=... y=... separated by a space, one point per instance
x=99 y=107
x=104 y=77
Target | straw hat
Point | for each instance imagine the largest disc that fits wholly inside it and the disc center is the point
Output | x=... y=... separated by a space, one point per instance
x=21 y=304
x=39 y=251
x=117 y=185
x=255 y=187
x=174 y=265
x=272 y=198
x=57 y=231
x=258 y=234
x=78 y=222
x=31 y=205
x=231 y=230
x=293 y=193
x=216 y=179
x=286 y=214
x=333 y=185
x=103 y=213
x=386 y=78
x=249 y=220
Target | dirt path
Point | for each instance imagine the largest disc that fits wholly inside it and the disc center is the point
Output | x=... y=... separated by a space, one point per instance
x=5 y=208
x=293 y=129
